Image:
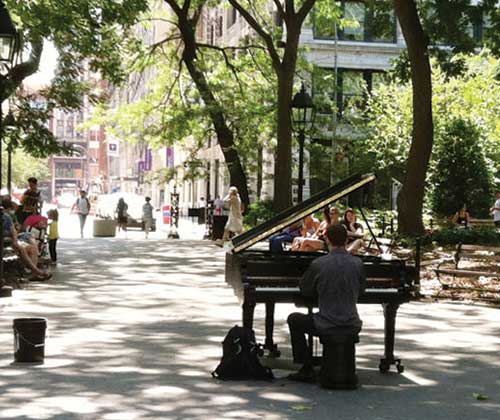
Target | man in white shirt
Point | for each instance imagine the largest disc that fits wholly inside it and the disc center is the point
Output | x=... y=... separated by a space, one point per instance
x=495 y=210
x=82 y=206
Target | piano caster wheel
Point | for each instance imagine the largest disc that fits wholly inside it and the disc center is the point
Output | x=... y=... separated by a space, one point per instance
x=399 y=367
x=384 y=366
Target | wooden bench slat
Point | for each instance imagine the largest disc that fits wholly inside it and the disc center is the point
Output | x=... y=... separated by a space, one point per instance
x=466 y=273
x=480 y=248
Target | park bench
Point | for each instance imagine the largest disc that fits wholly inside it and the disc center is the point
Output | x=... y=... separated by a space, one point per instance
x=463 y=252
x=482 y=222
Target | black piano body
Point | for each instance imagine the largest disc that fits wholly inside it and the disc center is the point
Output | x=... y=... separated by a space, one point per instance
x=259 y=276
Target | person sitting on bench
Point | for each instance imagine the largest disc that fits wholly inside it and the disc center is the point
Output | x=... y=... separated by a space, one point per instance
x=336 y=279
x=23 y=246
x=354 y=232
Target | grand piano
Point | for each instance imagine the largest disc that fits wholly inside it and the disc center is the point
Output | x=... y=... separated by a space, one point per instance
x=259 y=276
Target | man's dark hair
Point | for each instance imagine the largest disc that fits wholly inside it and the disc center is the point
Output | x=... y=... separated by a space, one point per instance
x=148 y=199
x=336 y=234
x=33 y=180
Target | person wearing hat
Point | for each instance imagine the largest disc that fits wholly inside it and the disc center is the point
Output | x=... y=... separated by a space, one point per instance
x=147 y=216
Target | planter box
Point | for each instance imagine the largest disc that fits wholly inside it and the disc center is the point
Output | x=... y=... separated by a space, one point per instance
x=104 y=227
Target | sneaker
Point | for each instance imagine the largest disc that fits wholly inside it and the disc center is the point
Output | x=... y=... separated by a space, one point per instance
x=304 y=374
x=219 y=242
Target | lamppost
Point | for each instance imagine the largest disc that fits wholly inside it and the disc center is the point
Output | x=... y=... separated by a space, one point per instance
x=9 y=121
x=9 y=46
x=174 y=214
x=302 y=113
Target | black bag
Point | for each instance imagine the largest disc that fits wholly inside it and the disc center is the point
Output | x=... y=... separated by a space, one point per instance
x=240 y=357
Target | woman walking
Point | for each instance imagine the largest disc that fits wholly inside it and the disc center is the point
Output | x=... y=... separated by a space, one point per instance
x=234 y=223
x=122 y=215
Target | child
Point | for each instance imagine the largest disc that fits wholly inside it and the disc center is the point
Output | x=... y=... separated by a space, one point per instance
x=53 y=234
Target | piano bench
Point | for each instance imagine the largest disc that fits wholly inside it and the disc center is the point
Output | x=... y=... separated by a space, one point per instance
x=338 y=364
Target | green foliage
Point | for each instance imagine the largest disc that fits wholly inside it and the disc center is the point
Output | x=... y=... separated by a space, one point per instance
x=24 y=166
x=453 y=236
x=258 y=212
x=461 y=175
x=386 y=132
x=30 y=132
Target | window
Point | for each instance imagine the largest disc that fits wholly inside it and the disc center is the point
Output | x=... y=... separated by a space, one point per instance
x=219 y=26
x=231 y=17
x=60 y=129
x=347 y=92
x=364 y=22
x=354 y=29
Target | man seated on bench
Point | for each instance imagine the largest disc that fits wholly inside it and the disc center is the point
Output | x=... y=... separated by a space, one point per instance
x=27 y=251
x=336 y=279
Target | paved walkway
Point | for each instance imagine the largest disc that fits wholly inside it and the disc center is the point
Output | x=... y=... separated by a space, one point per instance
x=135 y=328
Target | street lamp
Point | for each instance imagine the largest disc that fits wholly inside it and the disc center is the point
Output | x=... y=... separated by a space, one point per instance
x=303 y=113
x=8 y=37
x=9 y=121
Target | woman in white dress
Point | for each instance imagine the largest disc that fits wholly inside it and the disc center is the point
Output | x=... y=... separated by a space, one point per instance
x=235 y=220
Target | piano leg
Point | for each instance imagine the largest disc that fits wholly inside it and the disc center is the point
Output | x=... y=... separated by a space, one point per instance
x=248 y=311
x=269 y=343
x=390 y=311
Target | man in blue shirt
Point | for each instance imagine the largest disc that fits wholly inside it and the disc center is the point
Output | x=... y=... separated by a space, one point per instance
x=336 y=279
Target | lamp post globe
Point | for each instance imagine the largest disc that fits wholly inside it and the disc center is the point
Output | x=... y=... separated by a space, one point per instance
x=8 y=37
x=303 y=114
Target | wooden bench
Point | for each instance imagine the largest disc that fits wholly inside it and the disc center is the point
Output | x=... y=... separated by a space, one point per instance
x=482 y=222
x=470 y=252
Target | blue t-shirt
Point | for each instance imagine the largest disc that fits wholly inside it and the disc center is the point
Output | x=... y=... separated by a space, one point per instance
x=7 y=225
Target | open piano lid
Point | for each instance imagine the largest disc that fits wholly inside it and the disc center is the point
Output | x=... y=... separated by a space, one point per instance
x=299 y=211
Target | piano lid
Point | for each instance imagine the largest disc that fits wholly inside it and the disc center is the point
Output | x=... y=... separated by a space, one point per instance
x=299 y=211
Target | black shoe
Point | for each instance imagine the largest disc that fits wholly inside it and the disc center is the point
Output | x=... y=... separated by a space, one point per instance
x=304 y=374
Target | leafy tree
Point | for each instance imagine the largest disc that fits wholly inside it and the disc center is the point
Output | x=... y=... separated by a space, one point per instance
x=88 y=35
x=24 y=166
x=461 y=175
x=201 y=91
x=385 y=137
x=284 y=63
x=432 y=22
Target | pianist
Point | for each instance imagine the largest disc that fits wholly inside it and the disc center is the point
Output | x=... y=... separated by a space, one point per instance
x=336 y=279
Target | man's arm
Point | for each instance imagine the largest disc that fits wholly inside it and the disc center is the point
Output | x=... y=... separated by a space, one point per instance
x=308 y=282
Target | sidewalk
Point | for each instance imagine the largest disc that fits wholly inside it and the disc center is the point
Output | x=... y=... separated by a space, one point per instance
x=135 y=328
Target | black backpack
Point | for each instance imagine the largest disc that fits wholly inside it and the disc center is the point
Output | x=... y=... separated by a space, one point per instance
x=240 y=357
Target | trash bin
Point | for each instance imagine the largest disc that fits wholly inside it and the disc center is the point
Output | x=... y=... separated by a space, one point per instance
x=29 y=339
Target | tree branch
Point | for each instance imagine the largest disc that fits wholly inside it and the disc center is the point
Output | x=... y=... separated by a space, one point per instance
x=262 y=33
x=304 y=10
x=279 y=6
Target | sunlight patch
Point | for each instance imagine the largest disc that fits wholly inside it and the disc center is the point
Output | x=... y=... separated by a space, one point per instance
x=281 y=396
x=162 y=391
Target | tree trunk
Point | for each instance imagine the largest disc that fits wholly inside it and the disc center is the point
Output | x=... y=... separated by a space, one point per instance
x=283 y=165
x=411 y=197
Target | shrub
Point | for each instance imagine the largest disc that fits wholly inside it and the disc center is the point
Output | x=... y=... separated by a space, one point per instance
x=258 y=212
x=479 y=236
x=461 y=175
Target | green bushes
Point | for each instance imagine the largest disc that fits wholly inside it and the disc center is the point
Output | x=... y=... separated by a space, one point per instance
x=452 y=236
x=461 y=175
x=258 y=212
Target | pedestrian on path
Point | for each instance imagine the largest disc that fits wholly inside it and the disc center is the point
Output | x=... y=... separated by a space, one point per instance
x=82 y=206
x=234 y=223
x=122 y=215
x=53 y=235
x=147 y=216
x=495 y=210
